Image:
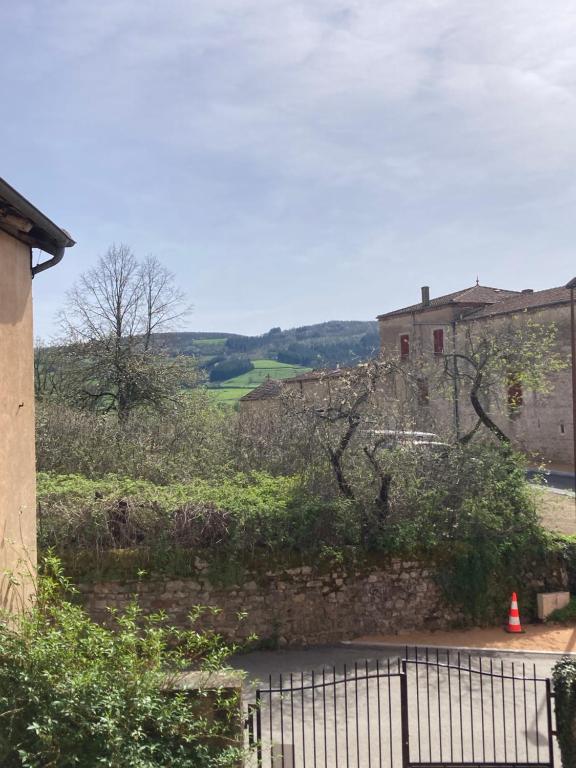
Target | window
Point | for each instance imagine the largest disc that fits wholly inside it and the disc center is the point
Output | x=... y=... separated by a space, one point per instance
x=515 y=395
x=404 y=346
x=439 y=341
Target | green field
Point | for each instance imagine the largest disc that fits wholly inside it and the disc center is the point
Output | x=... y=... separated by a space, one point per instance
x=209 y=342
x=228 y=394
x=231 y=390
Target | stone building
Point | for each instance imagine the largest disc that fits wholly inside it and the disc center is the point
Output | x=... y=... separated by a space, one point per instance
x=315 y=385
x=539 y=424
x=22 y=228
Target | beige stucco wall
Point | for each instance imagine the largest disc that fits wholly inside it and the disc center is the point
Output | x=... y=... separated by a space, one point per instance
x=17 y=460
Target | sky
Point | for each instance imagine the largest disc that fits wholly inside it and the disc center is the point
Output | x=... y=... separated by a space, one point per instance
x=296 y=161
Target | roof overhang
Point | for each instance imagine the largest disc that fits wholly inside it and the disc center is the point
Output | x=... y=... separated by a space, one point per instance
x=22 y=220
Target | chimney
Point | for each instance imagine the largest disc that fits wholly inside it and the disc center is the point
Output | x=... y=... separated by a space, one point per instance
x=527 y=290
x=425 y=296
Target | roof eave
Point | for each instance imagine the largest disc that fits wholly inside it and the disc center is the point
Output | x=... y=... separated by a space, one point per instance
x=26 y=223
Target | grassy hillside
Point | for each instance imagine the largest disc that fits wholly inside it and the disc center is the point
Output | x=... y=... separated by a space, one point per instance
x=230 y=390
x=337 y=342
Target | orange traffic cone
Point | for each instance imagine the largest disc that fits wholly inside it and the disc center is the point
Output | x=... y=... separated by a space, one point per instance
x=514 y=616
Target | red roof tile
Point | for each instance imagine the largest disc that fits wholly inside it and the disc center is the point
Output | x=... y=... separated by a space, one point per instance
x=268 y=389
x=272 y=387
x=525 y=301
x=476 y=295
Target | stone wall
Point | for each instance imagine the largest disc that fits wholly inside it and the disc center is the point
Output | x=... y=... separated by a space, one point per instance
x=296 y=606
x=302 y=606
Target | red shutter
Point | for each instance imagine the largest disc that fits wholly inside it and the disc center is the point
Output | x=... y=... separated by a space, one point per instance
x=404 y=345
x=438 y=341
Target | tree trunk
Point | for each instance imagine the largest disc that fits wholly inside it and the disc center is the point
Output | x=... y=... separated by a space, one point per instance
x=343 y=485
x=481 y=413
x=465 y=439
x=336 y=458
x=383 y=499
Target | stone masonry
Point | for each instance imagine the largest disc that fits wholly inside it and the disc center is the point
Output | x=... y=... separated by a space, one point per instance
x=306 y=606
x=293 y=606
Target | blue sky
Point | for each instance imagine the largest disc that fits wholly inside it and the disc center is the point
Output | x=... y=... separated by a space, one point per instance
x=294 y=161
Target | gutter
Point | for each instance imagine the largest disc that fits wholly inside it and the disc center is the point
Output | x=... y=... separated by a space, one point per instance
x=23 y=221
x=56 y=259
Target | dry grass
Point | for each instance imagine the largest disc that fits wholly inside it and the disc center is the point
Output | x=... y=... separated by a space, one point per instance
x=557 y=511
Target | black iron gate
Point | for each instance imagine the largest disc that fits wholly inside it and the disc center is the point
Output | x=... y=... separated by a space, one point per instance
x=427 y=710
x=474 y=711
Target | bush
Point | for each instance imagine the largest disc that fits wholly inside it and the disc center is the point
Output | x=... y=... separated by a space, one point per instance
x=564 y=677
x=566 y=615
x=189 y=439
x=468 y=509
x=488 y=527
x=73 y=693
x=232 y=518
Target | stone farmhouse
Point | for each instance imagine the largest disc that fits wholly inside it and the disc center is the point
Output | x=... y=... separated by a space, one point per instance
x=22 y=228
x=539 y=424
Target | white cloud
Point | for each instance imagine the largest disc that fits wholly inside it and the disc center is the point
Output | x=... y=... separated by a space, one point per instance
x=342 y=129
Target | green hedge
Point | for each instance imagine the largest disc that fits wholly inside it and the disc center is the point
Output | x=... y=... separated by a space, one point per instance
x=477 y=524
x=74 y=693
x=564 y=677
x=98 y=521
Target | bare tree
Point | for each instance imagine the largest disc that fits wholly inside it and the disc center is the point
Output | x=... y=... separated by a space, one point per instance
x=352 y=417
x=109 y=322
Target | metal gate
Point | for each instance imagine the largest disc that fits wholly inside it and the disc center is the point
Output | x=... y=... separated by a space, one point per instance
x=474 y=711
x=426 y=710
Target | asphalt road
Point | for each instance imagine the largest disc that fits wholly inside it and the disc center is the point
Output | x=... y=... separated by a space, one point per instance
x=341 y=706
x=562 y=481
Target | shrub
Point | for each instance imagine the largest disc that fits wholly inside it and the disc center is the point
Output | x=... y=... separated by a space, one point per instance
x=73 y=693
x=189 y=439
x=233 y=517
x=564 y=677
x=566 y=615
x=469 y=510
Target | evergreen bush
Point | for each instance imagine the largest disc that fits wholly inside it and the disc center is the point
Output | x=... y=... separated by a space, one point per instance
x=74 y=693
x=564 y=678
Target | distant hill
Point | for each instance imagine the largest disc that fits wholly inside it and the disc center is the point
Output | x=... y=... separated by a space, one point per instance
x=337 y=342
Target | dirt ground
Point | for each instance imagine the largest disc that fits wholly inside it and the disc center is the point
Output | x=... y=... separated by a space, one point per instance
x=555 y=638
x=557 y=511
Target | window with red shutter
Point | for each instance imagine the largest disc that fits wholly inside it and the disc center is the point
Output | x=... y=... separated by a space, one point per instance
x=439 y=341
x=404 y=345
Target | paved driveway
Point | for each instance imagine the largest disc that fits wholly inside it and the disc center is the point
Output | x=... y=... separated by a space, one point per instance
x=341 y=706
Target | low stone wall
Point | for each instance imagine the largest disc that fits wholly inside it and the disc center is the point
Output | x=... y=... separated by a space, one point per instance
x=302 y=606
x=296 y=606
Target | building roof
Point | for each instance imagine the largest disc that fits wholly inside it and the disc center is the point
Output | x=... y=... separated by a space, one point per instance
x=268 y=389
x=22 y=220
x=477 y=295
x=272 y=387
x=317 y=375
x=524 y=302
